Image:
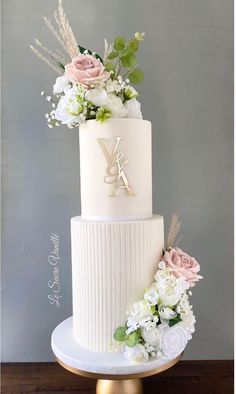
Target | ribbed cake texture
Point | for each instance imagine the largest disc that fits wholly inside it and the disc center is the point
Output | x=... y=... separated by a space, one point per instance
x=117 y=241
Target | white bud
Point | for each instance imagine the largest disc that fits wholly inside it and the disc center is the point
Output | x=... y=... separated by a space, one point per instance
x=162 y=265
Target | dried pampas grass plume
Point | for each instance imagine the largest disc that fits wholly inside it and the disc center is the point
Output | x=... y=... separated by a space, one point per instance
x=45 y=59
x=66 y=32
x=66 y=38
x=173 y=231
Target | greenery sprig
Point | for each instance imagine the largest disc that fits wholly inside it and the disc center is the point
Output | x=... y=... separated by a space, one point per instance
x=122 y=59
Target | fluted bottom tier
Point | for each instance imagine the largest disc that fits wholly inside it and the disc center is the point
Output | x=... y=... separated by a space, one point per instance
x=112 y=264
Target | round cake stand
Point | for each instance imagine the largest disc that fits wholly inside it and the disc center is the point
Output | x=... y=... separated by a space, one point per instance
x=115 y=375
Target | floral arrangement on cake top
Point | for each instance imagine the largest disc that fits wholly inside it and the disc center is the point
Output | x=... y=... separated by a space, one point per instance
x=160 y=325
x=90 y=86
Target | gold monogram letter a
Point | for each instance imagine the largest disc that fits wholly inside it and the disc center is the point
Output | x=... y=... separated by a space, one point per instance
x=115 y=167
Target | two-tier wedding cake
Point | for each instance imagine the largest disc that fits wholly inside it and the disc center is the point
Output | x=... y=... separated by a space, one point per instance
x=117 y=241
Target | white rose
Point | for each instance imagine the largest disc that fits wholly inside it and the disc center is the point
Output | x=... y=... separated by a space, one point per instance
x=152 y=296
x=173 y=341
x=60 y=85
x=167 y=313
x=151 y=336
x=169 y=299
x=115 y=105
x=97 y=96
x=133 y=109
x=136 y=354
x=67 y=111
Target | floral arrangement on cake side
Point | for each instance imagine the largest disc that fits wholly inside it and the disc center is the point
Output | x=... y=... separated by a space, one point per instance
x=160 y=325
x=90 y=86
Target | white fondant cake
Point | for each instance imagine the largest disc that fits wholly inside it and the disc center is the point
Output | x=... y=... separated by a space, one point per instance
x=112 y=263
x=116 y=243
x=118 y=145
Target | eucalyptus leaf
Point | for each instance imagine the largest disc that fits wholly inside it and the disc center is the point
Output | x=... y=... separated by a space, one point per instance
x=136 y=76
x=134 y=45
x=113 y=55
x=129 y=61
x=120 y=334
x=133 y=338
x=109 y=66
x=119 y=43
x=125 y=52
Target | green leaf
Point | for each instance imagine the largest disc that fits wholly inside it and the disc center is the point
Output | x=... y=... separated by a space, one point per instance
x=61 y=65
x=128 y=61
x=133 y=338
x=120 y=334
x=125 y=52
x=113 y=55
x=119 y=43
x=152 y=309
x=134 y=45
x=136 y=76
x=109 y=67
x=82 y=49
x=174 y=321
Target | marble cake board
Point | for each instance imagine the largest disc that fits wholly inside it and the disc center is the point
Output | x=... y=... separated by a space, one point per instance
x=114 y=373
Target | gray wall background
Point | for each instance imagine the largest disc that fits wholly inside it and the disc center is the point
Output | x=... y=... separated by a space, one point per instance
x=187 y=58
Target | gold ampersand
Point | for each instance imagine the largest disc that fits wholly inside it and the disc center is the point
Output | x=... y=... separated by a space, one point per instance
x=115 y=167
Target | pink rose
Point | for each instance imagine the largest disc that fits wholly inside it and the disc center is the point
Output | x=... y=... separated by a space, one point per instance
x=183 y=266
x=86 y=70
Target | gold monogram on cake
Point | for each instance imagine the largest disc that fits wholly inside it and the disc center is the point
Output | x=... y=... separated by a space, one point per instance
x=116 y=162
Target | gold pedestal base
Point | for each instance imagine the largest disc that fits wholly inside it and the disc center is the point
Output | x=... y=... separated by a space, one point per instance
x=120 y=384
x=132 y=386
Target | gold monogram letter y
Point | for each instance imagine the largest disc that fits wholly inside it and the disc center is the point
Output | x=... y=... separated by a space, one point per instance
x=115 y=167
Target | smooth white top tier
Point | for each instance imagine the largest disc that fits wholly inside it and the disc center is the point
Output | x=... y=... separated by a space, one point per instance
x=116 y=169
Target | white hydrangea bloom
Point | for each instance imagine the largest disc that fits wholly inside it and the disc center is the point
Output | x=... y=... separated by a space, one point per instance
x=113 y=86
x=185 y=310
x=138 y=315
